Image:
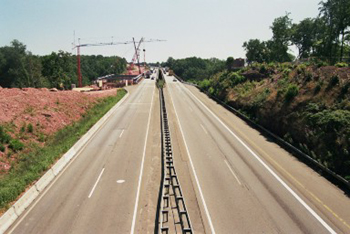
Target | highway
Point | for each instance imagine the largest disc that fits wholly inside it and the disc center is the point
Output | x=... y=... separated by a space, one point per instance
x=243 y=182
x=234 y=179
x=100 y=191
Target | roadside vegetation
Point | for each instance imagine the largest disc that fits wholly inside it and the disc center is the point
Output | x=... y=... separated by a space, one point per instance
x=307 y=105
x=19 y=68
x=33 y=159
x=194 y=69
x=304 y=101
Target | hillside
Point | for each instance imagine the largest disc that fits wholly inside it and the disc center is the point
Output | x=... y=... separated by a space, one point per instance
x=308 y=106
x=29 y=116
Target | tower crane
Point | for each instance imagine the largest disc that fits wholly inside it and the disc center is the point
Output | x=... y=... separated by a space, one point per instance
x=137 y=53
x=135 y=57
x=92 y=44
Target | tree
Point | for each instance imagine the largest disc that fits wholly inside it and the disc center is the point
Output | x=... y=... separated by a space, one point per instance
x=170 y=62
x=256 y=51
x=19 y=68
x=215 y=65
x=336 y=14
x=281 y=29
x=119 y=65
x=32 y=76
x=59 y=69
x=194 y=68
x=229 y=63
x=303 y=36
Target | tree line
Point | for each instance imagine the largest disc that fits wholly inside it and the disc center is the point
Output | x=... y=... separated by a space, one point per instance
x=326 y=37
x=194 y=68
x=20 y=68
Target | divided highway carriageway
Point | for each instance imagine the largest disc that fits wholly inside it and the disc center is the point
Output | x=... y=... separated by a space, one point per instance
x=233 y=179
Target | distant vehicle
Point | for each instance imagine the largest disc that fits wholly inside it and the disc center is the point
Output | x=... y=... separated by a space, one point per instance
x=174 y=80
x=152 y=78
x=148 y=74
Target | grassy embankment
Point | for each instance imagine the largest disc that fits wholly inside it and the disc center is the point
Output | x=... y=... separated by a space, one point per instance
x=35 y=160
x=307 y=105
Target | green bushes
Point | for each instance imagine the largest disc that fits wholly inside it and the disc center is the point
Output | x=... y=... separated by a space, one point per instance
x=235 y=78
x=330 y=120
x=332 y=127
x=317 y=89
x=345 y=88
x=260 y=98
x=292 y=91
x=16 y=145
x=318 y=122
x=4 y=137
x=334 y=81
x=30 y=128
x=286 y=72
x=308 y=76
x=341 y=64
x=2 y=148
x=204 y=84
x=263 y=69
x=301 y=69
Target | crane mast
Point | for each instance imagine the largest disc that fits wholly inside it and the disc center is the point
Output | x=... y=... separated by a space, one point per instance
x=135 y=56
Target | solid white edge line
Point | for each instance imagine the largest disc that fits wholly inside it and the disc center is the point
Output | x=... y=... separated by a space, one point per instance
x=40 y=196
x=121 y=133
x=233 y=173
x=141 y=169
x=193 y=169
x=296 y=196
x=98 y=179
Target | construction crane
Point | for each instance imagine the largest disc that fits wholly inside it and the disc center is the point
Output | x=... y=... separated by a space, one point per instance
x=135 y=57
x=92 y=44
x=137 y=53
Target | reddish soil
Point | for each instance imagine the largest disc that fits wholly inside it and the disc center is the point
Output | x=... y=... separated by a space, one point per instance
x=135 y=70
x=47 y=111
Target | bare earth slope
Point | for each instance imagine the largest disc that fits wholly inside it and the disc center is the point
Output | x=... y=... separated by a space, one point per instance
x=30 y=115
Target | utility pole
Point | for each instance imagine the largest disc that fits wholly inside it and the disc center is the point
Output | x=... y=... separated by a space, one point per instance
x=144 y=57
x=80 y=80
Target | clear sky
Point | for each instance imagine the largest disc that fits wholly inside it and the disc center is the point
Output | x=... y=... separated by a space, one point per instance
x=202 y=28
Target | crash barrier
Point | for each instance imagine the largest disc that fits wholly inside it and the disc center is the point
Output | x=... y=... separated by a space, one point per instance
x=291 y=148
x=171 y=201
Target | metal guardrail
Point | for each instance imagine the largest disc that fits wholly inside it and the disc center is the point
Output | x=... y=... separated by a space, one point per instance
x=279 y=140
x=138 y=78
x=171 y=200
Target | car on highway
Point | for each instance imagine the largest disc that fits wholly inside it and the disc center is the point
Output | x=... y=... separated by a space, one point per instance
x=174 y=80
x=148 y=74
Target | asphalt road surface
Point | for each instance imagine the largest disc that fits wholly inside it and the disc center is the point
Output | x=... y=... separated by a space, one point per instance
x=100 y=191
x=244 y=183
x=234 y=179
